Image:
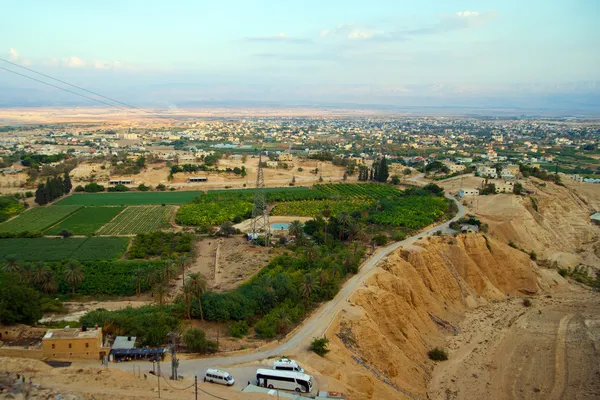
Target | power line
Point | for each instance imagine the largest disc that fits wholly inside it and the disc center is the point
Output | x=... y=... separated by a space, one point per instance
x=79 y=87
x=61 y=88
x=76 y=87
x=191 y=386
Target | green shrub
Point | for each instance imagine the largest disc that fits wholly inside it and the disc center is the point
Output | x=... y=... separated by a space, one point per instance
x=55 y=306
x=239 y=329
x=380 y=240
x=398 y=236
x=195 y=341
x=533 y=255
x=437 y=354
x=527 y=302
x=563 y=272
x=92 y=188
x=319 y=346
x=512 y=244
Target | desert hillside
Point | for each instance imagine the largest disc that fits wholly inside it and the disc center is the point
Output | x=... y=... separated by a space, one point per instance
x=554 y=221
x=416 y=297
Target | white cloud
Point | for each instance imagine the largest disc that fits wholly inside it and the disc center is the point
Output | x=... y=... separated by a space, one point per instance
x=73 y=62
x=352 y=32
x=14 y=55
x=281 y=37
x=364 y=34
x=467 y=14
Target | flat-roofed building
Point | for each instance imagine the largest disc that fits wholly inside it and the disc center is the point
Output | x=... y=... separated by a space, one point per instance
x=463 y=192
x=505 y=187
x=197 y=179
x=120 y=182
x=73 y=343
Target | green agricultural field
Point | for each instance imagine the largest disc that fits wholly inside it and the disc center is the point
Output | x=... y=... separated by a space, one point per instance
x=128 y=198
x=54 y=249
x=37 y=219
x=101 y=248
x=311 y=208
x=139 y=219
x=86 y=220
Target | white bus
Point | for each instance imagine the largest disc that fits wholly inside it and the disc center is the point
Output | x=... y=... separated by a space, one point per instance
x=287 y=380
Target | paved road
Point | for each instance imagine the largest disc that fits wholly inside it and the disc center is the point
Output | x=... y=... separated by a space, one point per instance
x=317 y=324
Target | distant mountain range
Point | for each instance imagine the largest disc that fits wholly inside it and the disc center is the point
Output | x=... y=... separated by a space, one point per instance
x=580 y=98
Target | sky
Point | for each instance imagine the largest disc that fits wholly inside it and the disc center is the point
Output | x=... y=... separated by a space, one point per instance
x=326 y=49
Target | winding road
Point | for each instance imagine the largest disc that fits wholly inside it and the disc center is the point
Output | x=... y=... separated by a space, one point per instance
x=316 y=325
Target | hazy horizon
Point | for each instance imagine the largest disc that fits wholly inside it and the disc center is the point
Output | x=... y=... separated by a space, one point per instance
x=535 y=55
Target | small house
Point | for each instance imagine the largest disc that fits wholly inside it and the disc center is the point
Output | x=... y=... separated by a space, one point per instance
x=469 y=228
x=464 y=192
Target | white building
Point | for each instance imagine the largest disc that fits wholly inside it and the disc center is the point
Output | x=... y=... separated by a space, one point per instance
x=486 y=171
x=463 y=192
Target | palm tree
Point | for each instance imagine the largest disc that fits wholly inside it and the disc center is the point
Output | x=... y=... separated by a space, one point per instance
x=283 y=320
x=323 y=276
x=344 y=219
x=162 y=292
x=137 y=281
x=182 y=261
x=153 y=277
x=73 y=274
x=11 y=263
x=41 y=273
x=49 y=285
x=187 y=291
x=312 y=252
x=306 y=288
x=168 y=272
x=26 y=273
x=197 y=283
x=295 y=229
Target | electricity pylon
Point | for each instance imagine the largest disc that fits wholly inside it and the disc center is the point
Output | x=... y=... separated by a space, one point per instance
x=260 y=214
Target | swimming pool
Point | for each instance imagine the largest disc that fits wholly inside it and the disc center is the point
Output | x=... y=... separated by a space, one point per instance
x=280 y=226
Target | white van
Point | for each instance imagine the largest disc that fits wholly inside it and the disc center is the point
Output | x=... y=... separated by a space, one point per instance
x=213 y=375
x=285 y=364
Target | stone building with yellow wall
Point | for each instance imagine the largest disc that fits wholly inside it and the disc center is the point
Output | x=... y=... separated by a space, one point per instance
x=73 y=343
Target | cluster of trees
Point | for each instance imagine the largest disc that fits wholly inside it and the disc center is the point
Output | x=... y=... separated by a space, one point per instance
x=54 y=188
x=542 y=174
x=9 y=206
x=34 y=160
x=167 y=245
x=19 y=303
x=379 y=172
x=122 y=165
x=42 y=276
x=92 y=187
x=436 y=166
x=205 y=167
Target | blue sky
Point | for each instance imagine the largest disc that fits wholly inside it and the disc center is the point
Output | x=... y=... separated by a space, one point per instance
x=386 y=44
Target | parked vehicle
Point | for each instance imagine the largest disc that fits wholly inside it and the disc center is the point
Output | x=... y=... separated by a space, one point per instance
x=213 y=375
x=285 y=364
x=286 y=380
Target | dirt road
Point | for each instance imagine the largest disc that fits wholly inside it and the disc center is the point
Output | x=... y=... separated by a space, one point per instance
x=506 y=351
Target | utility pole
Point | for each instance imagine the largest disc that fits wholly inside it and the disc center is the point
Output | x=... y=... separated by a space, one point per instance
x=174 y=360
x=196 y=385
x=260 y=215
x=158 y=375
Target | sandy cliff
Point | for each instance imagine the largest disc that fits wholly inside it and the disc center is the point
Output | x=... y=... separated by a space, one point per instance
x=417 y=297
x=554 y=221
